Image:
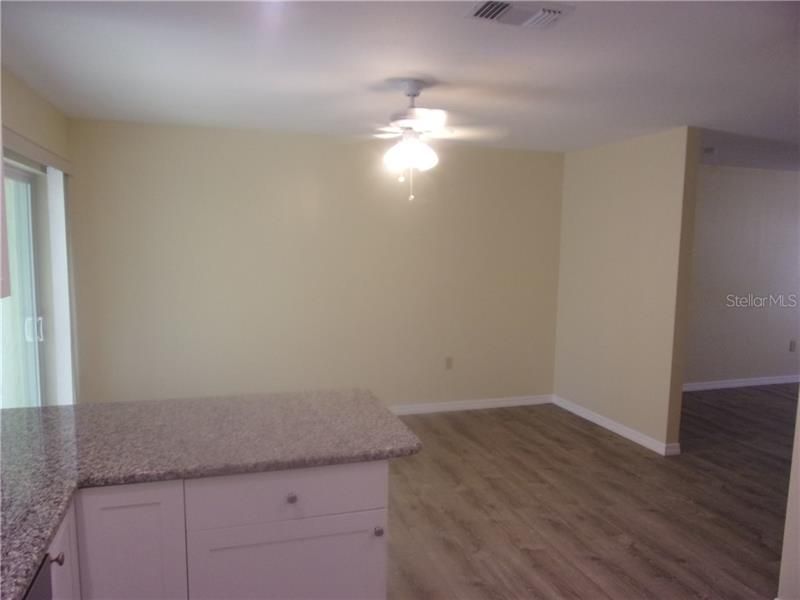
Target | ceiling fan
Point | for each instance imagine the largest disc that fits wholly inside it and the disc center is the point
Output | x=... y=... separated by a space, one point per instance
x=423 y=120
x=428 y=123
x=413 y=126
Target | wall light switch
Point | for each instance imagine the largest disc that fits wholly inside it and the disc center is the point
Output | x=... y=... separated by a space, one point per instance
x=448 y=363
x=792 y=345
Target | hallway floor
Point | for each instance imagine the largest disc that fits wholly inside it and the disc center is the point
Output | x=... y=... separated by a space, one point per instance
x=534 y=502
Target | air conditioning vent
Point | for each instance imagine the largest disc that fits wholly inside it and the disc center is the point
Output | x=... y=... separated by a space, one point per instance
x=535 y=15
x=490 y=10
x=544 y=17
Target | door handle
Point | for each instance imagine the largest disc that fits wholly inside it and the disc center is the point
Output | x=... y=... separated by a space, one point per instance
x=40 y=329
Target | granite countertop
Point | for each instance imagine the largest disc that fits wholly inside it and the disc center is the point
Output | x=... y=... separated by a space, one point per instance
x=48 y=453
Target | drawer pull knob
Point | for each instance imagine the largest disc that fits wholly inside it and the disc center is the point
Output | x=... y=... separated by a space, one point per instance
x=378 y=531
x=59 y=560
x=291 y=498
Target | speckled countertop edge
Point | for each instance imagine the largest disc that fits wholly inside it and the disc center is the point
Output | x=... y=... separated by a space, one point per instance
x=239 y=469
x=25 y=546
x=26 y=553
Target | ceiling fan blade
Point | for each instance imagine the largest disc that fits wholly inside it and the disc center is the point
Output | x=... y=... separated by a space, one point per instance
x=419 y=119
x=468 y=133
x=430 y=119
x=386 y=135
x=390 y=129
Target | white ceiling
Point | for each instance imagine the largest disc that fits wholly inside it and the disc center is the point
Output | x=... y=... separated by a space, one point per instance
x=608 y=71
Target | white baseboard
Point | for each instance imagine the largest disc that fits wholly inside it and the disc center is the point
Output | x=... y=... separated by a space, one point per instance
x=723 y=384
x=618 y=428
x=509 y=401
x=434 y=407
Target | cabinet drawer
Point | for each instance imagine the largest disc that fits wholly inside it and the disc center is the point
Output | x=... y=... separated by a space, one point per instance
x=334 y=557
x=234 y=500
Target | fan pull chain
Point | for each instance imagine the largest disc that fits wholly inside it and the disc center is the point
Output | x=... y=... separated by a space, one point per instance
x=402 y=179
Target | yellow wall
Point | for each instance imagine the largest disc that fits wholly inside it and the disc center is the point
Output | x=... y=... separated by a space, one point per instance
x=29 y=115
x=619 y=295
x=746 y=240
x=214 y=261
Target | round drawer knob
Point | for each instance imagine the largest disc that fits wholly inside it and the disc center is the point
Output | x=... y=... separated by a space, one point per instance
x=378 y=531
x=291 y=498
x=59 y=560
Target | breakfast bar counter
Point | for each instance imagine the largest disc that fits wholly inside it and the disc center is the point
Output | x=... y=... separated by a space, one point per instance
x=49 y=453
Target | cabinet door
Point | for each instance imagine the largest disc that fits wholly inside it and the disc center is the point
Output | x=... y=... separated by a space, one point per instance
x=63 y=554
x=321 y=558
x=132 y=541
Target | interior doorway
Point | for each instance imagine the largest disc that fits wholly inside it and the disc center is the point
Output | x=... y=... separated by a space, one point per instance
x=740 y=395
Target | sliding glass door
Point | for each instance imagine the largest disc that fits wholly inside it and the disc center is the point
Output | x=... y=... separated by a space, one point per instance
x=20 y=323
x=35 y=323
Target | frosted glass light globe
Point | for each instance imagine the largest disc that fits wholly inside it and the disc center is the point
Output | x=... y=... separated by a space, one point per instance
x=410 y=153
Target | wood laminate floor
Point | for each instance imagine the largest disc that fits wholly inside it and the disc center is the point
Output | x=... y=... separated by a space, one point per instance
x=534 y=502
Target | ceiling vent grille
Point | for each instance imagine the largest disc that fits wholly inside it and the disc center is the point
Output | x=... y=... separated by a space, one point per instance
x=544 y=17
x=490 y=10
x=534 y=15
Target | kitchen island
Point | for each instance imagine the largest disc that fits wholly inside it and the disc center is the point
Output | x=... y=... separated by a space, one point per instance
x=49 y=454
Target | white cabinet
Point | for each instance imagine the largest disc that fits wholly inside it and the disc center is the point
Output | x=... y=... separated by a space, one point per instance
x=132 y=541
x=300 y=534
x=63 y=556
x=333 y=557
x=304 y=534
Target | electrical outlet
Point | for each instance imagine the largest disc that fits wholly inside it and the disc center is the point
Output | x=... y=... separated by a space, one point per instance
x=792 y=345
x=448 y=363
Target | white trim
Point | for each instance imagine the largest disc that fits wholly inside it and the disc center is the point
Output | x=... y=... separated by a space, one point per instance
x=60 y=324
x=31 y=150
x=435 y=407
x=737 y=383
x=635 y=436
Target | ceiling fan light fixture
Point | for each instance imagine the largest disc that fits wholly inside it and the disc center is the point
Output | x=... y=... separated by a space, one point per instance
x=410 y=153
